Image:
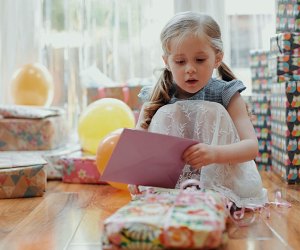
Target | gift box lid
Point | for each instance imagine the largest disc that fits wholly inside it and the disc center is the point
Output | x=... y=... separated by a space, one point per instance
x=14 y=160
x=80 y=155
x=29 y=112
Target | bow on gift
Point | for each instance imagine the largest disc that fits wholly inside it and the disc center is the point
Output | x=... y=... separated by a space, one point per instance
x=245 y=216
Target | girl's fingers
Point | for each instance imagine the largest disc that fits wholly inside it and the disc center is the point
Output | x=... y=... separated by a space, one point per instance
x=190 y=150
x=192 y=156
x=195 y=163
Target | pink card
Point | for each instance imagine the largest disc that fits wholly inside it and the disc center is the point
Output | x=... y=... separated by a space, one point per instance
x=146 y=158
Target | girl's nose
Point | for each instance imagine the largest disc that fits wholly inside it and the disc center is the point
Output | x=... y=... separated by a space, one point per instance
x=190 y=68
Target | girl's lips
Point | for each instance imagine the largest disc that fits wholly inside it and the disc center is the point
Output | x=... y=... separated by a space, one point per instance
x=192 y=81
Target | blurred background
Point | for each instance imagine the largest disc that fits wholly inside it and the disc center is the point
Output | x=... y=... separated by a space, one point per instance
x=88 y=42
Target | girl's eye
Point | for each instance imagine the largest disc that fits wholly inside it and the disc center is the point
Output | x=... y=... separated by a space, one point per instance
x=200 y=59
x=179 y=61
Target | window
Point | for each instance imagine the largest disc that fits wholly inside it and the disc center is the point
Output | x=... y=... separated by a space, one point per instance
x=251 y=25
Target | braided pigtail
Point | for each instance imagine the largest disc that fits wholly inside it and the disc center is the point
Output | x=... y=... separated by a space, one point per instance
x=161 y=95
x=225 y=72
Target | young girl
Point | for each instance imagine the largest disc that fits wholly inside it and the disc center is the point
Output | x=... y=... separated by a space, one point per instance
x=188 y=102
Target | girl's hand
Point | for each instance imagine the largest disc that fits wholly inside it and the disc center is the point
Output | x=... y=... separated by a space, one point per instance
x=199 y=155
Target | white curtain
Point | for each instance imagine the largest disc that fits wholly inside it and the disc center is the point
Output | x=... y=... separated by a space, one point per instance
x=127 y=39
x=119 y=38
x=20 y=29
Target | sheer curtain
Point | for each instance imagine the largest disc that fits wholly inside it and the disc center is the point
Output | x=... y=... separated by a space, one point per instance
x=20 y=29
x=118 y=38
x=126 y=43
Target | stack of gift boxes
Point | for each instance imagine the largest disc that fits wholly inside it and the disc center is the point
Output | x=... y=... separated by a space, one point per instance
x=260 y=102
x=24 y=132
x=285 y=101
x=35 y=146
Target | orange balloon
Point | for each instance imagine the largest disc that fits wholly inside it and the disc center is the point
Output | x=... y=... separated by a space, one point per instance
x=32 y=85
x=104 y=152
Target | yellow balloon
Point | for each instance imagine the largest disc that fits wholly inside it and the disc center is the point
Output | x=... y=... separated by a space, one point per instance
x=32 y=84
x=100 y=118
x=104 y=152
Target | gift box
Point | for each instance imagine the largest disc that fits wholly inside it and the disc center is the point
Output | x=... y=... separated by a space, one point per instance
x=285 y=68
x=288 y=16
x=285 y=129
x=259 y=58
x=286 y=95
x=175 y=219
x=32 y=128
x=261 y=120
x=22 y=176
x=127 y=94
x=285 y=43
x=289 y=174
x=80 y=168
x=54 y=158
x=260 y=72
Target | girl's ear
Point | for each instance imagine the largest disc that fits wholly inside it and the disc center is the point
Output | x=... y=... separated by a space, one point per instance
x=219 y=58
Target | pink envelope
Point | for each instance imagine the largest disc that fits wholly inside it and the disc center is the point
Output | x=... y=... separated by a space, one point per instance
x=146 y=158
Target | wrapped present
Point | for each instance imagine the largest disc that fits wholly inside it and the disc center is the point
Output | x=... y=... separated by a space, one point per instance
x=55 y=165
x=80 y=168
x=32 y=128
x=260 y=72
x=289 y=174
x=172 y=219
x=285 y=43
x=127 y=94
x=285 y=130
x=259 y=58
x=288 y=16
x=22 y=176
x=285 y=67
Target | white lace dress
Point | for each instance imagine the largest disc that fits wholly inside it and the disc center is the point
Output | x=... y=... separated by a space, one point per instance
x=210 y=123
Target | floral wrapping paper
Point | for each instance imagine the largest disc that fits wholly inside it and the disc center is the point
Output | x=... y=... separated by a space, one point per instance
x=28 y=128
x=55 y=165
x=168 y=220
x=22 y=176
x=127 y=94
x=79 y=168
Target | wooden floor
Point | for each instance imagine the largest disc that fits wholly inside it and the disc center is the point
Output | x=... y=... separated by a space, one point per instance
x=70 y=216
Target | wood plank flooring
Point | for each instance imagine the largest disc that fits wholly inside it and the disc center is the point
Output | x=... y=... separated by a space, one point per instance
x=70 y=217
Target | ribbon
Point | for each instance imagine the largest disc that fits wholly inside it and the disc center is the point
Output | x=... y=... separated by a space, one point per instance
x=237 y=215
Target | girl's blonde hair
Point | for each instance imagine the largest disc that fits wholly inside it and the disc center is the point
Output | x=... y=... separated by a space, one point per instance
x=181 y=25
